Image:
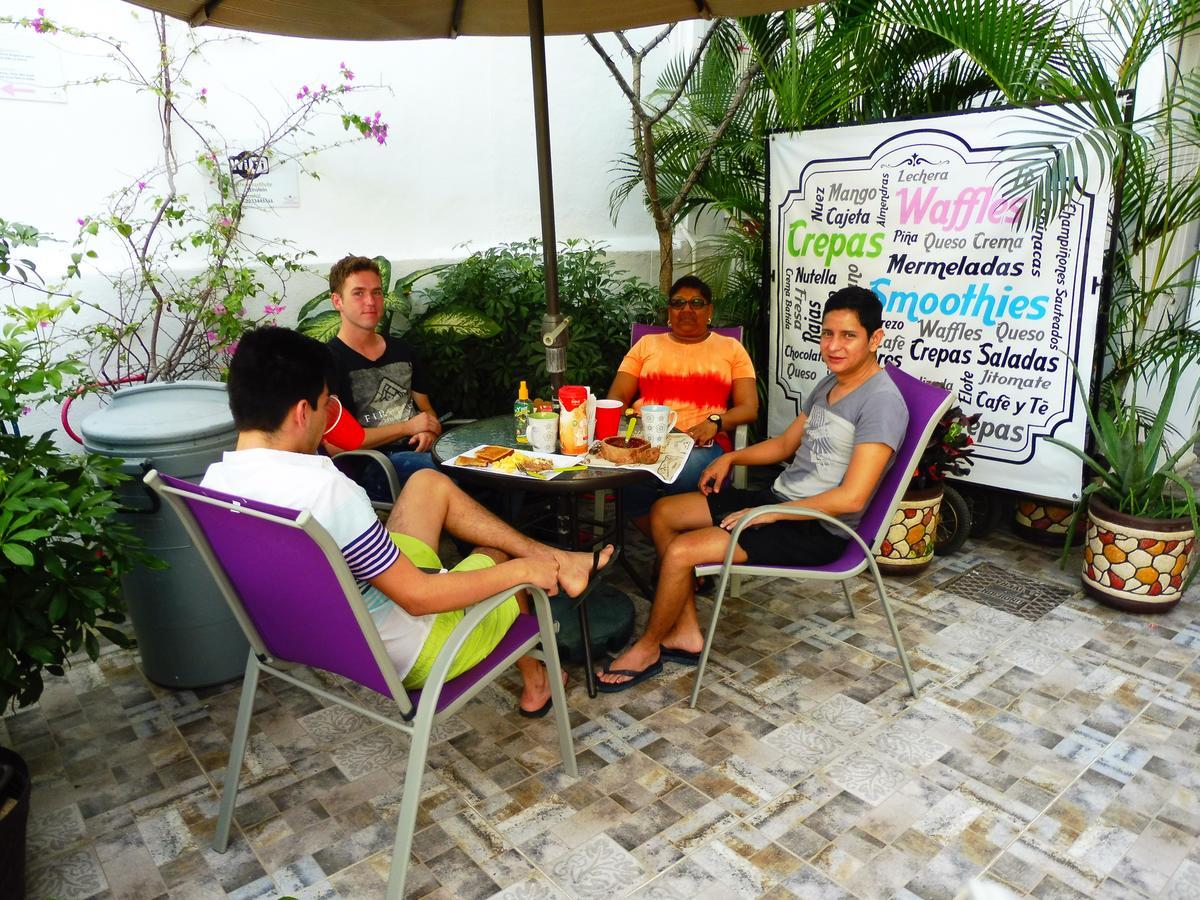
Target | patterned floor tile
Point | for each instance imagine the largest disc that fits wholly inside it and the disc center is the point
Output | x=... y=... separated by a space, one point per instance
x=599 y=868
x=1057 y=757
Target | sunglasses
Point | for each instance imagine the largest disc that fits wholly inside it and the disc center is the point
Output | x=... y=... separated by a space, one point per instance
x=680 y=303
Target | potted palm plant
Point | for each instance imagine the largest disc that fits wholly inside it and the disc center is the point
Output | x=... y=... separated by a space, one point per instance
x=1141 y=513
x=912 y=536
x=1152 y=157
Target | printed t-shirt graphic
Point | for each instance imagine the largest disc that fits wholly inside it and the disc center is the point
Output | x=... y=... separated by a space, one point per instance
x=377 y=392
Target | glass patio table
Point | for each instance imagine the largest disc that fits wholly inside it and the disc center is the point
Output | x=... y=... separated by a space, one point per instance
x=567 y=489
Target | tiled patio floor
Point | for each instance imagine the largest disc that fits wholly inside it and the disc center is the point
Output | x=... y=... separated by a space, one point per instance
x=1058 y=757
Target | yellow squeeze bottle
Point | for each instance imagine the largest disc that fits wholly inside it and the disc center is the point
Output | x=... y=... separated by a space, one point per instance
x=521 y=410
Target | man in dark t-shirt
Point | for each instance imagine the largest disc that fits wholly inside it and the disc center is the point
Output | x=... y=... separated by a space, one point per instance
x=376 y=376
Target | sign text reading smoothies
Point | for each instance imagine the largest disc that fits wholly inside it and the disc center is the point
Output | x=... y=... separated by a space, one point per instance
x=988 y=301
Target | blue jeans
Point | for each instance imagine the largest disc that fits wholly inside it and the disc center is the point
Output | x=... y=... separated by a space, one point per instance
x=405 y=462
x=640 y=497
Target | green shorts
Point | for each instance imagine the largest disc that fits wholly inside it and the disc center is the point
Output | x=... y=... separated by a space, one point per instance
x=480 y=642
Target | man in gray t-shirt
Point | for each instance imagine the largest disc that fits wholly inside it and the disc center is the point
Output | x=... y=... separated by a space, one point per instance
x=840 y=445
x=873 y=413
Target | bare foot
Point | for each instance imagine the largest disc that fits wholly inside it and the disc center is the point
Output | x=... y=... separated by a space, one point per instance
x=636 y=658
x=536 y=690
x=689 y=641
x=574 y=568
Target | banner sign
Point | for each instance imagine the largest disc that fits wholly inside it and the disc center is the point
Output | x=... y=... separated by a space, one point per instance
x=989 y=302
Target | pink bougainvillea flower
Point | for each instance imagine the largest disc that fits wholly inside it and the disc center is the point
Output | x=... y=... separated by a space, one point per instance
x=141 y=185
x=219 y=309
x=81 y=221
x=211 y=336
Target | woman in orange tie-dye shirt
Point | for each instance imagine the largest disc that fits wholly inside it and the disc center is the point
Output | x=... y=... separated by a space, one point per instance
x=707 y=378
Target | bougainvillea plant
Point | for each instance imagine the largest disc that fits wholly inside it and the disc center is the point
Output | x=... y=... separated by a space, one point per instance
x=189 y=278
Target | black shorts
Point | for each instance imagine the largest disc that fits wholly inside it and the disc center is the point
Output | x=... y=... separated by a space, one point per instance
x=803 y=542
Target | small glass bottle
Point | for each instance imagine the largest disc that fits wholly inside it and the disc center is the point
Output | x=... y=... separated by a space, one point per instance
x=521 y=410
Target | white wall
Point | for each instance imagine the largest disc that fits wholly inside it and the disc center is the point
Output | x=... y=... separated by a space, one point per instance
x=459 y=167
x=458 y=173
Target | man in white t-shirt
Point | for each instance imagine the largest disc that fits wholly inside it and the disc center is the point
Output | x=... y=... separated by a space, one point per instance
x=278 y=391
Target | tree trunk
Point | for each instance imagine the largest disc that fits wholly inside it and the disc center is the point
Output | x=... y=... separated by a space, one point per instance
x=666 y=246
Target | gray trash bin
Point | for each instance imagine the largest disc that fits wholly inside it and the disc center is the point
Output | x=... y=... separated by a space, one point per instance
x=186 y=634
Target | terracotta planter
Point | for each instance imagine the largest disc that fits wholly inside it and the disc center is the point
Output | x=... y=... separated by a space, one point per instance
x=908 y=545
x=1135 y=564
x=1045 y=521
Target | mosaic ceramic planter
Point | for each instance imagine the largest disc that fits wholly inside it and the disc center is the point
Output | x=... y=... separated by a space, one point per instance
x=1135 y=564
x=908 y=544
x=1045 y=521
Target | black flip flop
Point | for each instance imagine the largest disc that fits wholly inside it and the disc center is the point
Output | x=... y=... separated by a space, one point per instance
x=635 y=677
x=539 y=712
x=597 y=570
x=670 y=654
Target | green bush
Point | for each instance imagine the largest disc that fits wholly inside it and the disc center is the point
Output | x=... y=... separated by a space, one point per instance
x=62 y=552
x=474 y=377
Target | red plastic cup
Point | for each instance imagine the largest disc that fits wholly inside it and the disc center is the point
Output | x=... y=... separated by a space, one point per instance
x=342 y=429
x=608 y=418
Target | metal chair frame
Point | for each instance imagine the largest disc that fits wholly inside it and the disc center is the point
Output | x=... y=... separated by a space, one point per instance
x=418 y=711
x=916 y=438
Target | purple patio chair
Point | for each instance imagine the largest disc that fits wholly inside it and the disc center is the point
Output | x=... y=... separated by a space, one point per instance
x=288 y=585
x=926 y=404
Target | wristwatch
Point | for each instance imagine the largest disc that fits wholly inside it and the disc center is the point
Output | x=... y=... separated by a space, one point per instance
x=716 y=420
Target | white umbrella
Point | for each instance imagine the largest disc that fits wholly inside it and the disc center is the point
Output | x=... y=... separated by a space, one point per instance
x=385 y=20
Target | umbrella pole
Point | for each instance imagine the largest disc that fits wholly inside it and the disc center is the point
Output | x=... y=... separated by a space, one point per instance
x=554 y=335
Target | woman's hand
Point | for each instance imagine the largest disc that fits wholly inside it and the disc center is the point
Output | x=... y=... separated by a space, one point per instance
x=703 y=433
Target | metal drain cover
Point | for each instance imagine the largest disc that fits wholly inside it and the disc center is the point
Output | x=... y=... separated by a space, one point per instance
x=1001 y=589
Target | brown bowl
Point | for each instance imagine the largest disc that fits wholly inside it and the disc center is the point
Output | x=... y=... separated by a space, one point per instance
x=634 y=451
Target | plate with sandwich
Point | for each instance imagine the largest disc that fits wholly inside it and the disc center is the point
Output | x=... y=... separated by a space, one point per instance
x=521 y=463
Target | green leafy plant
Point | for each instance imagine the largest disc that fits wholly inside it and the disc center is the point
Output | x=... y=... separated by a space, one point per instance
x=948 y=451
x=478 y=377
x=319 y=320
x=1151 y=156
x=12 y=236
x=62 y=550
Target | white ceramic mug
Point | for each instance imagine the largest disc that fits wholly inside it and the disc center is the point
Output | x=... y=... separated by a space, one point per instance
x=542 y=430
x=657 y=421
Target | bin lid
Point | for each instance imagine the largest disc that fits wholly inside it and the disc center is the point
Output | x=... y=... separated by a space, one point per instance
x=159 y=414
